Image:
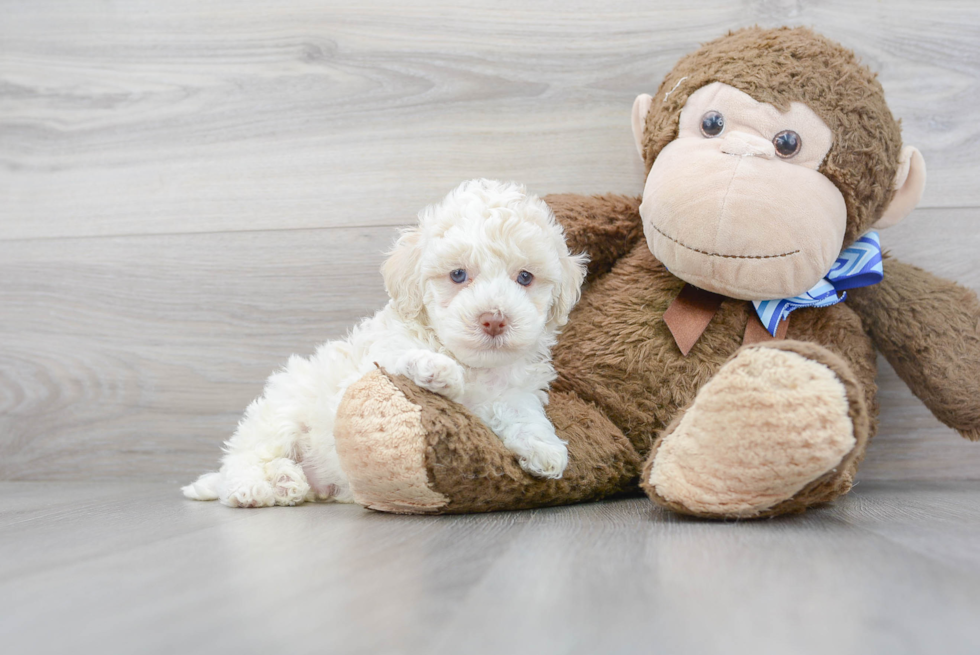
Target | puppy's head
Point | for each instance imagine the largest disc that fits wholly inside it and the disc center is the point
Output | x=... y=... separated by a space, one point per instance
x=488 y=270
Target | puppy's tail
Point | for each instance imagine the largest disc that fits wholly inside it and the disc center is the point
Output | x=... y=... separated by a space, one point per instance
x=205 y=488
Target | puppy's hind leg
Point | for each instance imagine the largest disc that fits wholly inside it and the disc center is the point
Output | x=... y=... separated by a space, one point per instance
x=289 y=484
x=280 y=481
x=260 y=467
x=245 y=483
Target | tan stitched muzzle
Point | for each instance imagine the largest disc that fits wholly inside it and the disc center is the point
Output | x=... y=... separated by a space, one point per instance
x=745 y=224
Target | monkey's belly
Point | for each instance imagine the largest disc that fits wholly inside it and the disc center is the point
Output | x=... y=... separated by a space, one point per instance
x=617 y=352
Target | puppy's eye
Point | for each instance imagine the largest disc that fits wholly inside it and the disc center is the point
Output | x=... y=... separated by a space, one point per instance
x=712 y=124
x=787 y=143
x=524 y=278
x=458 y=276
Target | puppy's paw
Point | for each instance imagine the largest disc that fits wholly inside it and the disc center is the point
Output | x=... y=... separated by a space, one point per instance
x=433 y=371
x=289 y=484
x=546 y=461
x=248 y=492
x=539 y=450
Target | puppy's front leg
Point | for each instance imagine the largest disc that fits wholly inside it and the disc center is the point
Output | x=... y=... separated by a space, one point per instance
x=522 y=425
x=433 y=371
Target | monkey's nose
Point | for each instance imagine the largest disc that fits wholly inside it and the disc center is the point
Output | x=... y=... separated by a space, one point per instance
x=743 y=144
x=493 y=323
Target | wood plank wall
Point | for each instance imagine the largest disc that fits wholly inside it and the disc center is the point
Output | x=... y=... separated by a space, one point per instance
x=192 y=191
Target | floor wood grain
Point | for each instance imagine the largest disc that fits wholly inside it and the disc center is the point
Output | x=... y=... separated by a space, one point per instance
x=128 y=567
x=191 y=193
x=183 y=117
x=131 y=356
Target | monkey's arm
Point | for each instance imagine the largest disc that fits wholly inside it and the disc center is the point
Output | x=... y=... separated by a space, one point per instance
x=929 y=330
x=606 y=227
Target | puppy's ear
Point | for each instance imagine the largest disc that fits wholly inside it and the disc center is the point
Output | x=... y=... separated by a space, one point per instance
x=403 y=280
x=569 y=290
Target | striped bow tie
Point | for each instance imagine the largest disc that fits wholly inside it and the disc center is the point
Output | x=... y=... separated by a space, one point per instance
x=859 y=265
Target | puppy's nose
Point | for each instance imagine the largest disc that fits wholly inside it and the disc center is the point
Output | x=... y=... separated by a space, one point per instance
x=493 y=323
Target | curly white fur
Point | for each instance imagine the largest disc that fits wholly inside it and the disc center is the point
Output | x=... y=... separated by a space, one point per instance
x=432 y=332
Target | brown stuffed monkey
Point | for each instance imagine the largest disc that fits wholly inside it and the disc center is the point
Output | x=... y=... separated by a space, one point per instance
x=723 y=353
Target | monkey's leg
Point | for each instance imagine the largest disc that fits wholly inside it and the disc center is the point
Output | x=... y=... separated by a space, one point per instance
x=409 y=451
x=779 y=428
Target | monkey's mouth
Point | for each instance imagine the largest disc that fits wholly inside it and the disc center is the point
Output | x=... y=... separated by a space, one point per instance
x=718 y=254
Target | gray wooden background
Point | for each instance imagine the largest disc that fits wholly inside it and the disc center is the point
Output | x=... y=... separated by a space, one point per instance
x=191 y=191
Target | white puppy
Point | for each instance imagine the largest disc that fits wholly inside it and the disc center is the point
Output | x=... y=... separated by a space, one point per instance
x=478 y=291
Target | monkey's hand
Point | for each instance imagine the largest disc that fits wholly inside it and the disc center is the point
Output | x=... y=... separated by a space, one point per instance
x=929 y=330
x=605 y=227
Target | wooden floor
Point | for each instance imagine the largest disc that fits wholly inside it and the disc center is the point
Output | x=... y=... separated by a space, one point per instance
x=133 y=568
x=190 y=192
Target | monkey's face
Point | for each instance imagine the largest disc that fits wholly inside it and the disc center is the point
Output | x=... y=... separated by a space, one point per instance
x=736 y=203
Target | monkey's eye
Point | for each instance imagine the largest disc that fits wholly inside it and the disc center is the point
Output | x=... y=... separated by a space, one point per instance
x=458 y=276
x=712 y=124
x=524 y=278
x=787 y=143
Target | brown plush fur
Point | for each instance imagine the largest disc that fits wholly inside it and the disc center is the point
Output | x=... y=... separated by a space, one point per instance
x=828 y=486
x=796 y=65
x=467 y=463
x=604 y=226
x=382 y=440
x=623 y=382
x=618 y=353
x=929 y=330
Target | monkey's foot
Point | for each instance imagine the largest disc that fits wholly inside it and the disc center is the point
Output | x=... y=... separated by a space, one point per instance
x=409 y=451
x=779 y=428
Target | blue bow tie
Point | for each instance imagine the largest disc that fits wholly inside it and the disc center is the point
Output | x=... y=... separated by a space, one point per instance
x=859 y=265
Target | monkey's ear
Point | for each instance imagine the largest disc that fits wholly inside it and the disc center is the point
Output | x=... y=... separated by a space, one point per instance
x=910 y=181
x=641 y=106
